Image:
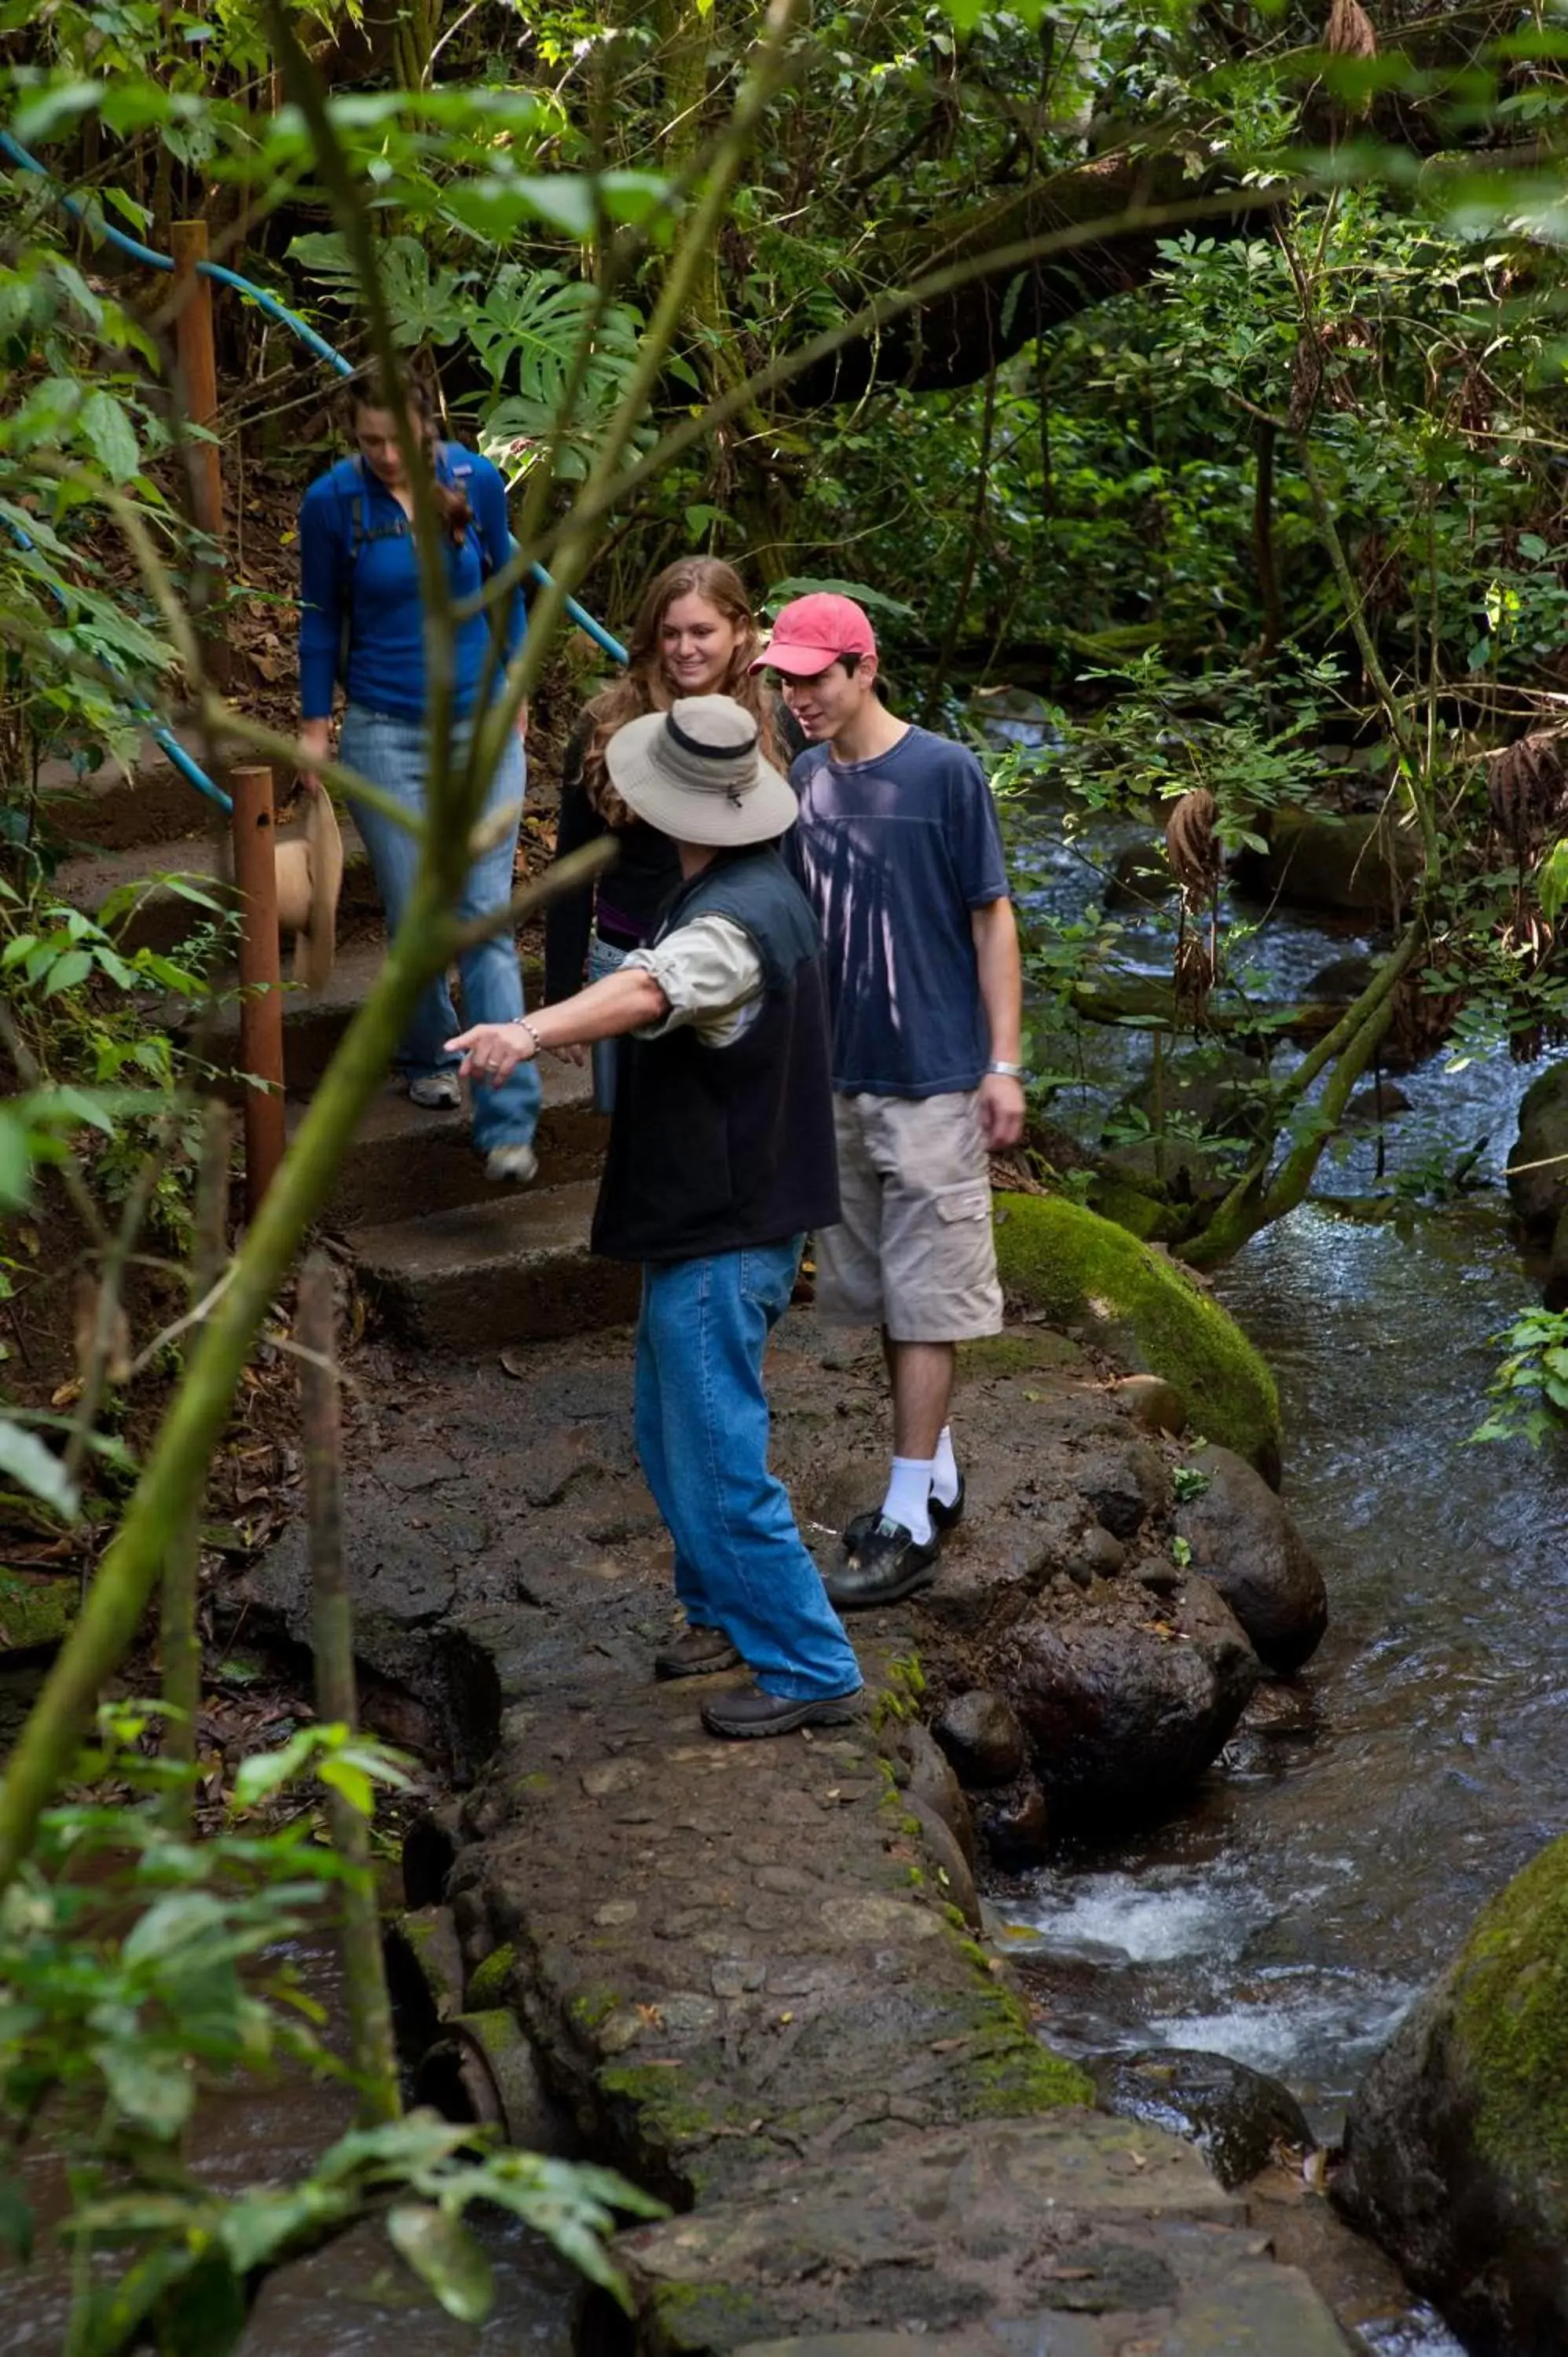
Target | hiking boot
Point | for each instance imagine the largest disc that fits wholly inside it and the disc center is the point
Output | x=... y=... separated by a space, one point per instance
x=511 y=1166
x=748 y=1714
x=888 y=1564
x=695 y=1654
x=436 y=1091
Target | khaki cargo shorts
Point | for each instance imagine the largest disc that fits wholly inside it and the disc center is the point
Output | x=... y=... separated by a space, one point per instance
x=914 y=1249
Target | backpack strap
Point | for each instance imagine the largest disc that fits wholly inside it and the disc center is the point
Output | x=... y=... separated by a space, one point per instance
x=453 y=464
x=358 y=533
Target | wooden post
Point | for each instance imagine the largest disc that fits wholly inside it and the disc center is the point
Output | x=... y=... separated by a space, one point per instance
x=374 y=2054
x=261 y=979
x=198 y=369
x=180 y=1640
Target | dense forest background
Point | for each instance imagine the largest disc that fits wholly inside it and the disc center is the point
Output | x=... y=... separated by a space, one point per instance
x=1195 y=374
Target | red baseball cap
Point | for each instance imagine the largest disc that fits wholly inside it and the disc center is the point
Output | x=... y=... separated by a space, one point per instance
x=812 y=632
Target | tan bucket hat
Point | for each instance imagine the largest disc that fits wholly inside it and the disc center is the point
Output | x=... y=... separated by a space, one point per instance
x=309 y=864
x=695 y=772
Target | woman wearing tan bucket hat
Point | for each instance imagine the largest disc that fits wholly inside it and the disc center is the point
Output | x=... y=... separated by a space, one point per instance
x=721 y=1156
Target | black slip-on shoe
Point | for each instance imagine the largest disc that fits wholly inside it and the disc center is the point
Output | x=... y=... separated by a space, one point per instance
x=889 y=1565
x=943 y=1518
x=748 y=1714
x=695 y=1654
x=948 y=1518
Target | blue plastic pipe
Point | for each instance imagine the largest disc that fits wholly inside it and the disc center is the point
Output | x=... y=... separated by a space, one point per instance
x=308 y=336
x=191 y=772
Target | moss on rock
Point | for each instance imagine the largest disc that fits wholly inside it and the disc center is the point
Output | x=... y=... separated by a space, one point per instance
x=1081 y=1270
x=1456 y=2143
x=35 y=1612
x=1510 y=2025
x=1128 y=1207
x=487 y=1986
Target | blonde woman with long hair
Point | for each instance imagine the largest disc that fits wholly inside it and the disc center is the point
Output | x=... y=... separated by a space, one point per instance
x=694 y=635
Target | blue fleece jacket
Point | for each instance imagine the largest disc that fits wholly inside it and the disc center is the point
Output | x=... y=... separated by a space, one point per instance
x=376 y=583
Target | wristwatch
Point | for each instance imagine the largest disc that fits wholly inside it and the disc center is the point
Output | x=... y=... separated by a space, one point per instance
x=1010 y=1071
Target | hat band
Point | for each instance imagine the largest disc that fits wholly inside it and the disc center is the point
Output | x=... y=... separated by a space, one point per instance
x=696 y=768
x=689 y=744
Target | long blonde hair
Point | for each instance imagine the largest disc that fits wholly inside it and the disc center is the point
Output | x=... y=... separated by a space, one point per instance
x=644 y=687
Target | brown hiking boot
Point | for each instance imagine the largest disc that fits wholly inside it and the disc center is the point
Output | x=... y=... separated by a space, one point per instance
x=695 y=1654
x=748 y=1714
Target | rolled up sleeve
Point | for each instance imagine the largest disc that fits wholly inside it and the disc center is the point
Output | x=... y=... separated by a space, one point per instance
x=710 y=973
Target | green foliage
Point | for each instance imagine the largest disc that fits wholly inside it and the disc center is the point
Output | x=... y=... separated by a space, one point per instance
x=1530 y=1389
x=137 y=1968
x=526 y=328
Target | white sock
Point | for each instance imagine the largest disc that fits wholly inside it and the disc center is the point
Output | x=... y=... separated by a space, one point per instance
x=909 y=1499
x=944 y=1469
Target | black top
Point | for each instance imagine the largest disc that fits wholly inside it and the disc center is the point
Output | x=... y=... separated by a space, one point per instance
x=712 y=1149
x=631 y=895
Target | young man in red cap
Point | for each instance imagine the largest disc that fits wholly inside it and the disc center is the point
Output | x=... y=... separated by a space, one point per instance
x=900 y=851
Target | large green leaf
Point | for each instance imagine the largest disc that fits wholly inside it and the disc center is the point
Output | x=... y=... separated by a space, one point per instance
x=150 y=2088
x=496 y=204
x=260 y=2224
x=108 y=429
x=425 y=306
x=1551 y=881
x=172 y=1922
x=24 y=1458
x=444 y=2254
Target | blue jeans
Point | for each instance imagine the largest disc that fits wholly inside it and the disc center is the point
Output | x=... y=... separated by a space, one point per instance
x=702 y=1434
x=390 y=752
x=604 y=958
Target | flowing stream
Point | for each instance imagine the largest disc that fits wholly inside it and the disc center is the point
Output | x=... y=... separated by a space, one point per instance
x=1321 y=1875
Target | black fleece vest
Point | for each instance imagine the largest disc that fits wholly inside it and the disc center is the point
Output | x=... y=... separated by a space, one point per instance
x=714 y=1149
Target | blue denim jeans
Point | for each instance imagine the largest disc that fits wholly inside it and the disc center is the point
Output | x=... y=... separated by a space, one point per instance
x=702 y=1434
x=604 y=958
x=390 y=752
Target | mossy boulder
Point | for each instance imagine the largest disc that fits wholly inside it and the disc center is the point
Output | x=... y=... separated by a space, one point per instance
x=35 y=1612
x=1456 y=2147
x=1082 y=1271
x=1126 y=1206
x=1538 y=1167
x=1362 y=864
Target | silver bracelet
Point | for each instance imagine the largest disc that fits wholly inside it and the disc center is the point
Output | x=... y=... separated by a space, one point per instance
x=1009 y=1071
x=524 y=1024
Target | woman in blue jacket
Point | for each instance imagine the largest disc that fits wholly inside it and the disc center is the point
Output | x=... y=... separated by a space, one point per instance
x=363 y=620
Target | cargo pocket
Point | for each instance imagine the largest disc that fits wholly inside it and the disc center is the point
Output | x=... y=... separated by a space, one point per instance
x=963 y=1254
x=970 y=1201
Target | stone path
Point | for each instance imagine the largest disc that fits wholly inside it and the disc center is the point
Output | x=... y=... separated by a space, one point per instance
x=748 y=1972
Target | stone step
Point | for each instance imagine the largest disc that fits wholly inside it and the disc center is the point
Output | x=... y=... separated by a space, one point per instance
x=1060 y=2233
x=515 y=1267
x=313 y=1021
x=117 y=809
x=407 y=1164
x=1252 y=2310
x=100 y=882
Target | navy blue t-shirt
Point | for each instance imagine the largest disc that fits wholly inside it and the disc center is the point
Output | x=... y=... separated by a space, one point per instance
x=894 y=854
